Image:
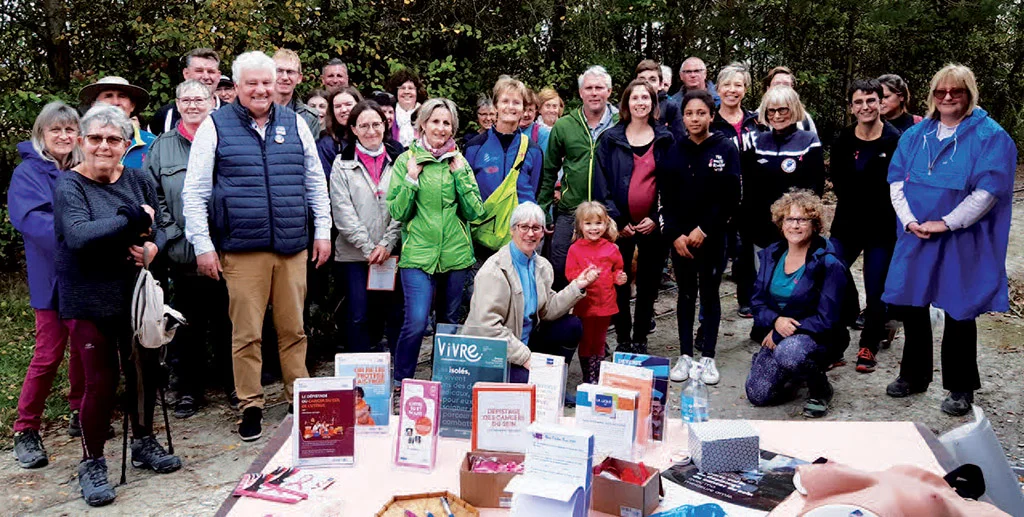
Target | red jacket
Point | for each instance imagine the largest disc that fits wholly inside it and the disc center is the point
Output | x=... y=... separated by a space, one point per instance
x=600 y=300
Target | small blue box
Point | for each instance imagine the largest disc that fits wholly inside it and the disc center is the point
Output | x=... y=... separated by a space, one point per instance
x=724 y=446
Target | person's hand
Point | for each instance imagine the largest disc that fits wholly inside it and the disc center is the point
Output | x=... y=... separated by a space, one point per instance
x=645 y=226
x=681 y=244
x=588 y=276
x=627 y=231
x=413 y=169
x=378 y=255
x=786 y=326
x=918 y=230
x=526 y=365
x=208 y=265
x=456 y=162
x=321 y=251
x=152 y=217
x=696 y=238
x=767 y=342
x=137 y=253
x=621 y=278
x=933 y=227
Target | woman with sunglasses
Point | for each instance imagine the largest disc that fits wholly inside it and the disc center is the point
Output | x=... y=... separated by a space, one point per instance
x=864 y=218
x=106 y=229
x=951 y=183
x=777 y=160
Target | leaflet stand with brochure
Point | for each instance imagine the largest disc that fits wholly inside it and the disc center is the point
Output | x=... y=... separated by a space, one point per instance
x=372 y=376
x=461 y=359
x=416 y=443
x=611 y=414
x=323 y=430
x=638 y=379
x=547 y=373
x=557 y=474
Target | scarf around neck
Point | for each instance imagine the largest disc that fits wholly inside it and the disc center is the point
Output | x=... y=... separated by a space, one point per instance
x=437 y=153
x=372 y=160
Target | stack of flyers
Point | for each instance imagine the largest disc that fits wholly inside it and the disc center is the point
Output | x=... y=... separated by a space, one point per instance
x=659 y=397
x=282 y=485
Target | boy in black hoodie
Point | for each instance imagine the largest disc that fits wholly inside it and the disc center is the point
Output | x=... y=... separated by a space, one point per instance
x=697 y=202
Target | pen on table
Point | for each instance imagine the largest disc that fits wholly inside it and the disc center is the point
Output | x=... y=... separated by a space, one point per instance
x=409 y=513
x=444 y=503
x=430 y=514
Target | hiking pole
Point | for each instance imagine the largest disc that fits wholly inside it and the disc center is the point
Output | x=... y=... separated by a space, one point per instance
x=167 y=422
x=124 y=447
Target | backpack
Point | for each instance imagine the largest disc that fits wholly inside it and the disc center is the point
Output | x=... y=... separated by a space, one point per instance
x=153 y=323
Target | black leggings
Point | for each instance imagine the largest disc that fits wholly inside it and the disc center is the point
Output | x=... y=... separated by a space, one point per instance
x=100 y=344
x=959 y=351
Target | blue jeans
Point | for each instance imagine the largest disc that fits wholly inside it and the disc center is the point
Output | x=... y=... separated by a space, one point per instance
x=419 y=287
x=559 y=337
x=776 y=373
x=370 y=314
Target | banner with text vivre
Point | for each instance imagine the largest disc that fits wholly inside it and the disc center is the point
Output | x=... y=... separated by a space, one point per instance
x=460 y=361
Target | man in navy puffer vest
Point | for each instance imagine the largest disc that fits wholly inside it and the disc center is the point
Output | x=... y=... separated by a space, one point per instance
x=253 y=173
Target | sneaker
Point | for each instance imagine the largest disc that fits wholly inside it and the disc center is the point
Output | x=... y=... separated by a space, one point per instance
x=866 y=362
x=233 y=400
x=745 y=312
x=958 y=403
x=148 y=453
x=817 y=405
x=185 y=407
x=654 y=326
x=640 y=347
x=858 y=324
x=92 y=477
x=838 y=363
x=251 y=427
x=75 y=425
x=900 y=388
x=890 y=335
x=681 y=371
x=708 y=371
x=28 y=448
x=625 y=348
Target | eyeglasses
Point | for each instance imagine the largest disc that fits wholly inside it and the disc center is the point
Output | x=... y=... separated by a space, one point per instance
x=695 y=71
x=527 y=228
x=955 y=93
x=782 y=112
x=286 y=71
x=870 y=101
x=193 y=101
x=797 y=221
x=376 y=126
x=58 y=131
x=97 y=140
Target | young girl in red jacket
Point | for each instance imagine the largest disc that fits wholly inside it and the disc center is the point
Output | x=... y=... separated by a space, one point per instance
x=594 y=244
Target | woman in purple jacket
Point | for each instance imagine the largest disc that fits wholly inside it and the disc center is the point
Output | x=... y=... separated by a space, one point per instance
x=51 y=151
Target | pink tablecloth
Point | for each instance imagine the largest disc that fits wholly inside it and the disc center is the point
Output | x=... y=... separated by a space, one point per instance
x=362 y=490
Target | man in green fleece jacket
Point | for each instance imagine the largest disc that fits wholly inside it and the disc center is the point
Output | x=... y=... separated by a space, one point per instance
x=571 y=149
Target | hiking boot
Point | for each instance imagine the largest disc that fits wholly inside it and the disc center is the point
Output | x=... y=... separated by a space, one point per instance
x=29 y=450
x=251 y=427
x=148 y=453
x=866 y=362
x=745 y=312
x=818 y=403
x=75 y=425
x=92 y=477
x=185 y=407
x=681 y=371
x=958 y=403
x=708 y=371
x=900 y=388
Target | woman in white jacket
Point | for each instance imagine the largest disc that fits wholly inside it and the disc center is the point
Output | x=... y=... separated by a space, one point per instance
x=366 y=232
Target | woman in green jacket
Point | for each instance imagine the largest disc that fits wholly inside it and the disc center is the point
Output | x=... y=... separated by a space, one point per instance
x=434 y=194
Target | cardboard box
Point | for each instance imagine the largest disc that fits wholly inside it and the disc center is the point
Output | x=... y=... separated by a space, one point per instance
x=724 y=446
x=626 y=499
x=487 y=490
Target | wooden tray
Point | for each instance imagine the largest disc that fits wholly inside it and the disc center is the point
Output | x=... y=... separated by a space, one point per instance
x=420 y=504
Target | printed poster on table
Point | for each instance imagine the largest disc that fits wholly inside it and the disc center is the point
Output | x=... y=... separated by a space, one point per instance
x=611 y=414
x=754 y=492
x=372 y=376
x=637 y=379
x=501 y=414
x=416 y=443
x=323 y=432
x=547 y=373
x=659 y=397
x=460 y=361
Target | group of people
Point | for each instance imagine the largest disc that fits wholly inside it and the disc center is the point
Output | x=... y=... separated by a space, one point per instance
x=548 y=218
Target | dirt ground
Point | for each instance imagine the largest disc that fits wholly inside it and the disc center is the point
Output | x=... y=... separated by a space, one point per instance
x=215 y=458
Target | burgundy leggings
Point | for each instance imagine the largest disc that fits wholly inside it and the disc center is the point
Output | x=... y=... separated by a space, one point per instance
x=100 y=344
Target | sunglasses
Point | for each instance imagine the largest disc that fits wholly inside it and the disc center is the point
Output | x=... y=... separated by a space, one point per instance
x=954 y=93
x=97 y=140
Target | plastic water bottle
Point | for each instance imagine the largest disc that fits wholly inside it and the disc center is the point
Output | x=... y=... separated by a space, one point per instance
x=694 y=401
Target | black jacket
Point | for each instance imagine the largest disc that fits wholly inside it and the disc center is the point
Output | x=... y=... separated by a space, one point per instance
x=864 y=212
x=705 y=189
x=613 y=169
x=748 y=129
x=670 y=115
x=776 y=162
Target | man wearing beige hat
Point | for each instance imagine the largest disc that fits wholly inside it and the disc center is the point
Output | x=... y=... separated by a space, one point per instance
x=117 y=91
